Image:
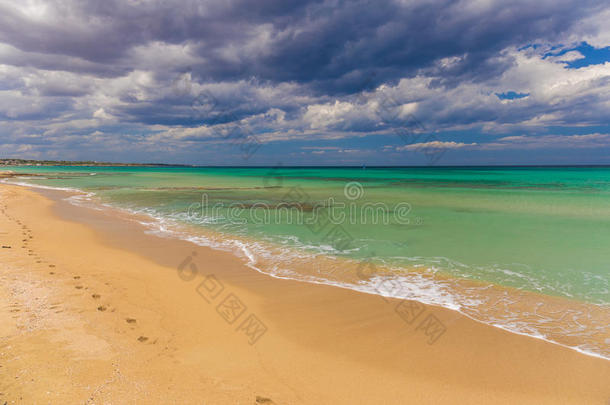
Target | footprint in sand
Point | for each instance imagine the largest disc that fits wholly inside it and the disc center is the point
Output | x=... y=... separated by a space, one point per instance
x=51 y=265
x=95 y=296
x=51 y=273
x=130 y=320
x=142 y=339
x=76 y=277
x=263 y=400
x=78 y=287
x=101 y=308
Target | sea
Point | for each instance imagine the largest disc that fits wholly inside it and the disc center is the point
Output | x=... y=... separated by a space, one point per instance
x=526 y=249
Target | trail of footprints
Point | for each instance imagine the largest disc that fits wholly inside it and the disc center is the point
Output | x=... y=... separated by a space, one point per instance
x=27 y=239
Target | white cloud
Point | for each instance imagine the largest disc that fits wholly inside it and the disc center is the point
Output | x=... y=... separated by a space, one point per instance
x=326 y=115
x=435 y=145
x=587 y=141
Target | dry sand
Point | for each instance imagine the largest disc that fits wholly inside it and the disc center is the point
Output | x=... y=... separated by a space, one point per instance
x=95 y=311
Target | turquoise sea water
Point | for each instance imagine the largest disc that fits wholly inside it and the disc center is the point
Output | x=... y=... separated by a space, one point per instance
x=538 y=229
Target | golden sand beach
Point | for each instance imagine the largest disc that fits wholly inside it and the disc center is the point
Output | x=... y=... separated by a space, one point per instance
x=94 y=310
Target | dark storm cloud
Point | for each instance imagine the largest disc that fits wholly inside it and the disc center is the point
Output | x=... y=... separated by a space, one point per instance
x=344 y=47
x=333 y=45
x=119 y=74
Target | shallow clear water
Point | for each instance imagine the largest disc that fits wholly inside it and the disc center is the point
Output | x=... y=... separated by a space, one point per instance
x=544 y=230
x=540 y=229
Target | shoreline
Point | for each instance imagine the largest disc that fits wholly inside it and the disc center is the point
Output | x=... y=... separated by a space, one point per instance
x=556 y=304
x=322 y=344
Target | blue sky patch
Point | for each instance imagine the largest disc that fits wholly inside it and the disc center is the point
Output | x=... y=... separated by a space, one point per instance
x=592 y=55
x=511 y=95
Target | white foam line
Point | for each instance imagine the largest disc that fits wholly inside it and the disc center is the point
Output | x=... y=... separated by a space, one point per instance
x=19 y=183
x=376 y=293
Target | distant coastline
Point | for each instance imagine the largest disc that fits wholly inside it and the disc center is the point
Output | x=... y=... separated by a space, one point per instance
x=32 y=162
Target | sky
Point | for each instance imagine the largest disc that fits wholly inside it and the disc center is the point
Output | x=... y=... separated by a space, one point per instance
x=298 y=82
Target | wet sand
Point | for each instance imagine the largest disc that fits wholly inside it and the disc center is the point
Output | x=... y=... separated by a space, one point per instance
x=93 y=310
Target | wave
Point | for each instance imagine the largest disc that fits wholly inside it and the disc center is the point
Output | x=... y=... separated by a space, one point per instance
x=23 y=184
